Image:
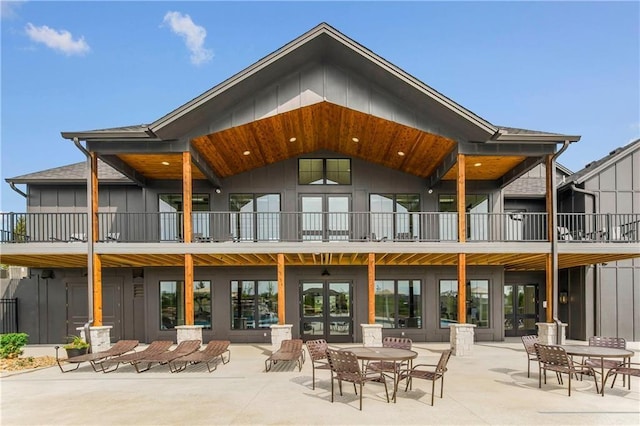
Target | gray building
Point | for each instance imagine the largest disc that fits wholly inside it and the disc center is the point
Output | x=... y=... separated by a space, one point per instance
x=321 y=187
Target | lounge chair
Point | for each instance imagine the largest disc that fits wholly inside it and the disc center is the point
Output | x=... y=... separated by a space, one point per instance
x=185 y=347
x=119 y=348
x=154 y=348
x=214 y=349
x=290 y=350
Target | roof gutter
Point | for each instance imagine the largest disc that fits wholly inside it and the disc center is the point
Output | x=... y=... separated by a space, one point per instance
x=90 y=238
x=554 y=239
x=15 y=188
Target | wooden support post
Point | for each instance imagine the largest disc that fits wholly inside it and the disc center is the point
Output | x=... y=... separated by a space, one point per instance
x=549 y=288
x=187 y=196
x=461 y=189
x=281 y=298
x=462 y=288
x=97 y=290
x=188 y=289
x=371 y=279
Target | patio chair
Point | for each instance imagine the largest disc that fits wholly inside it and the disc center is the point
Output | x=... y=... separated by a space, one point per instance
x=630 y=369
x=119 y=348
x=346 y=367
x=290 y=350
x=389 y=366
x=318 y=354
x=215 y=349
x=606 y=342
x=154 y=348
x=555 y=358
x=185 y=347
x=419 y=372
x=529 y=342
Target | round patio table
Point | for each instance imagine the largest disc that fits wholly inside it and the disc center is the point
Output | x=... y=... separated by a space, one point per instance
x=371 y=353
x=602 y=353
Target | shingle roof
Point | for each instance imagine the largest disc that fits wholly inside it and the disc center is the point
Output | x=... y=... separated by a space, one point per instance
x=596 y=166
x=72 y=173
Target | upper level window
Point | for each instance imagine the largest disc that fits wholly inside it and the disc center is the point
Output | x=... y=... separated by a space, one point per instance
x=395 y=216
x=477 y=208
x=256 y=217
x=169 y=205
x=324 y=171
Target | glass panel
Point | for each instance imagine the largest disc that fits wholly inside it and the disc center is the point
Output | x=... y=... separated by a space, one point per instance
x=407 y=225
x=385 y=303
x=514 y=226
x=242 y=305
x=529 y=303
x=313 y=328
x=338 y=218
x=339 y=306
x=448 y=223
x=338 y=171
x=242 y=222
x=478 y=303
x=268 y=216
x=313 y=299
x=202 y=303
x=409 y=304
x=310 y=171
x=508 y=307
x=381 y=207
x=171 y=304
x=267 y=303
x=448 y=302
x=170 y=225
x=478 y=226
x=312 y=218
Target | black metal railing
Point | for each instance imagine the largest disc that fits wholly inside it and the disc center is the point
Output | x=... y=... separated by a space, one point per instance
x=8 y=316
x=317 y=226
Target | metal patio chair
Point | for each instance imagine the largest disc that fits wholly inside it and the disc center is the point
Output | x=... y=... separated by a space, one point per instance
x=419 y=372
x=318 y=354
x=555 y=358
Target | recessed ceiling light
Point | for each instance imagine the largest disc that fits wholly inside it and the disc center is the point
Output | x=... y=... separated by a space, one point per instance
x=165 y=163
x=293 y=139
x=401 y=153
x=246 y=153
x=355 y=139
x=477 y=164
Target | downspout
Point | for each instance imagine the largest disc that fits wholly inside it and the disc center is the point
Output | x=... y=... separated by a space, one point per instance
x=554 y=238
x=596 y=270
x=87 y=325
x=15 y=188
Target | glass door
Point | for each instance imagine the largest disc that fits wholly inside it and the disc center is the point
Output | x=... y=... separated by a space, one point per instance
x=325 y=218
x=326 y=311
x=520 y=309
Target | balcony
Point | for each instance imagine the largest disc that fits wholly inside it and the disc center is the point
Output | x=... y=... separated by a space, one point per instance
x=212 y=227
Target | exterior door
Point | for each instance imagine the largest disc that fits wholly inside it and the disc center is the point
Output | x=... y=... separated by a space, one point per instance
x=520 y=309
x=325 y=217
x=77 y=307
x=326 y=311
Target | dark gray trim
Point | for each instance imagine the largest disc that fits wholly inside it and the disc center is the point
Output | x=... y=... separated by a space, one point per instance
x=444 y=167
x=525 y=149
x=519 y=170
x=138 y=147
x=115 y=162
x=204 y=167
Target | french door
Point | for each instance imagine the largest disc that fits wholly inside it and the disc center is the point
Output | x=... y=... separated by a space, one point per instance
x=326 y=310
x=325 y=217
x=520 y=309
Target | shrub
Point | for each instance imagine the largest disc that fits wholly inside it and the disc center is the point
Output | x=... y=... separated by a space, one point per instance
x=11 y=344
x=76 y=342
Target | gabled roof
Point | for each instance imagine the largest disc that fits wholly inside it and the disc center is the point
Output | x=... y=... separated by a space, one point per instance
x=71 y=173
x=597 y=166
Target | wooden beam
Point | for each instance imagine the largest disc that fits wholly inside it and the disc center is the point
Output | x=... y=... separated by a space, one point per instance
x=460 y=191
x=549 y=288
x=188 y=289
x=371 y=279
x=462 y=288
x=187 y=195
x=97 y=290
x=281 y=298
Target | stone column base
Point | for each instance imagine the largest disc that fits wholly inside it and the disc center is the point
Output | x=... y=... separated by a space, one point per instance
x=278 y=334
x=547 y=333
x=99 y=337
x=371 y=335
x=461 y=337
x=188 y=332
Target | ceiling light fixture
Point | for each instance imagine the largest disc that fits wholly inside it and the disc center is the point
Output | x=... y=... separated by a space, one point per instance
x=477 y=164
x=293 y=139
x=218 y=190
x=401 y=153
x=355 y=140
x=165 y=163
x=246 y=153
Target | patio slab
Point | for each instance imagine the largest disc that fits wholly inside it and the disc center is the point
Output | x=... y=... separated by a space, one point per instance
x=490 y=387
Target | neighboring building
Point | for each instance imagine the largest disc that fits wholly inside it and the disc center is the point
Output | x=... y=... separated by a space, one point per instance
x=321 y=187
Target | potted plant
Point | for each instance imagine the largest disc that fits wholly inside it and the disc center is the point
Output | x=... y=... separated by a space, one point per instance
x=76 y=346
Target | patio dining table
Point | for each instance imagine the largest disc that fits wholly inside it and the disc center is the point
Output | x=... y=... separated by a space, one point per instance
x=374 y=353
x=602 y=353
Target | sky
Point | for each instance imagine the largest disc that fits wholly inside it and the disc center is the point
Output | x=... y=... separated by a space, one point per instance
x=566 y=67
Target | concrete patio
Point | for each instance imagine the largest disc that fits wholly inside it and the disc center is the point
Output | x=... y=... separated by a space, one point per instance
x=488 y=387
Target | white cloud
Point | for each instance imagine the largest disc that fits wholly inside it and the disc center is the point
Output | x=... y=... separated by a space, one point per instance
x=8 y=9
x=57 y=40
x=192 y=34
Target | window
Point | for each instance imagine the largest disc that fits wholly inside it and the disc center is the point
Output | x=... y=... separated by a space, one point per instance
x=254 y=304
x=170 y=206
x=395 y=216
x=257 y=217
x=477 y=302
x=398 y=303
x=172 y=304
x=329 y=171
x=477 y=209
